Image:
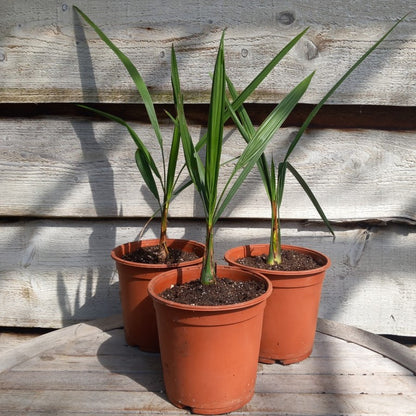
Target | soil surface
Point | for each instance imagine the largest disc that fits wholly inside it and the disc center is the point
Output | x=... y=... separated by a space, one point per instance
x=223 y=292
x=151 y=255
x=291 y=261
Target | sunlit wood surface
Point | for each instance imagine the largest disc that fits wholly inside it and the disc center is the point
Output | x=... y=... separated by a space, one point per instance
x=87 y=369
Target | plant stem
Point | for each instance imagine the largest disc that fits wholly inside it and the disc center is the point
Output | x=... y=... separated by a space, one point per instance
x=275 y=251
x=164 y=253
x=208 y=268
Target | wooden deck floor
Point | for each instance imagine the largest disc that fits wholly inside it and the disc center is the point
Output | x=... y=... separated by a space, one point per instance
x=87 y=369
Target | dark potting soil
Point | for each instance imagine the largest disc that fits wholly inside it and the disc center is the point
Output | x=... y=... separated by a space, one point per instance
x=223 y=292
x=291 y=261
x=151 y=255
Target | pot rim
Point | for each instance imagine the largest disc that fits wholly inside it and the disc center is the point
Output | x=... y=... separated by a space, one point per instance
x=208 y=308
x=155 y=241
x=288 y=273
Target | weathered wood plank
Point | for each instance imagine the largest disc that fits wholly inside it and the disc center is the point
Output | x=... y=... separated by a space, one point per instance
x=384 y=346
x=266 y=383
x=340 y=365
x=59 y=272
x=39 y=345
x=109 y=344
x=116 y=402
x=121 y=383
x=339 y=384
x=101 y=381
x=11 y=338
x=50 y=362
x=66 y=62
x=82 y=168
x=331 y=404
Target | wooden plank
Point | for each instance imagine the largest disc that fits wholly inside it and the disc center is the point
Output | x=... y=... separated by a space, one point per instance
x=113 y=343
x=127 y=360
x=56 y=273
x=65 y=61
x=50 y=362
x=66 y=384
x=335 y=384
x=45 y=342
x=340 y=365
x=384 y=346
x=266 y=383
x=11 y=338
x=332 y=404
x=81 y=168
x=96 y=381
x=116 y=402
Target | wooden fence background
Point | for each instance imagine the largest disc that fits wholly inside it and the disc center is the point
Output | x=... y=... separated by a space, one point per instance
x=70 y=190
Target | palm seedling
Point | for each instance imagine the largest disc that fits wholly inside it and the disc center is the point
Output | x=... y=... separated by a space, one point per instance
x=205 y=174
x=274 y=174
x=165 y=179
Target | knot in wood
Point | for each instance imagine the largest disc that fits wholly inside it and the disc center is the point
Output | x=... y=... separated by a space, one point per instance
x=286 y=18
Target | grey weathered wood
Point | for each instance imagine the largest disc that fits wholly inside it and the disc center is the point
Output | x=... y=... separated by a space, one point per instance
x=149 y=403
x=87 y=169
x=49 y=55
x=384 y=346
x=10 y=338
x=335 y=384
x=287 y=383
x=59 y=272
x=38 y=345
x=88 y=369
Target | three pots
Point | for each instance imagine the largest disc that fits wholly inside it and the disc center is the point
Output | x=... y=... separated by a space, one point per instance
x=138 y=313
x=291 y=313
x=209 y=353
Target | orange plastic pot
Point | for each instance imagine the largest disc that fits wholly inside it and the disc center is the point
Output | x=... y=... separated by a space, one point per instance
x=209 y=353
x=138 y=314
x=291 y=313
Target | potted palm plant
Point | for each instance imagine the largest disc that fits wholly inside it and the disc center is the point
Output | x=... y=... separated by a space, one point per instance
x=139 y=261
x=209 y=345
x=297 y=273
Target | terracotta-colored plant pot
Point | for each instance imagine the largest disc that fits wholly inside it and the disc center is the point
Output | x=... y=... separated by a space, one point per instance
x=291 y=313
x=138 y=313
x=209 y=353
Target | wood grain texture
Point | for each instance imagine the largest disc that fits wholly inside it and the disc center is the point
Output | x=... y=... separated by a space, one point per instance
x=37 y=346
x=70 y=190
x=396 y=352
x=77 y=168
x=59 y=272
x=49 y=55
x=91 y=371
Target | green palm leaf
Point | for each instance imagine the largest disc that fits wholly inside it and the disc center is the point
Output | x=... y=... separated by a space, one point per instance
x=311 y=196
x=135 y=75
x=144 y=159
x=238 y=101
x=274 y=120
x=257 y=144
x=334 y=88
x=215 y=129
x=263 y=74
